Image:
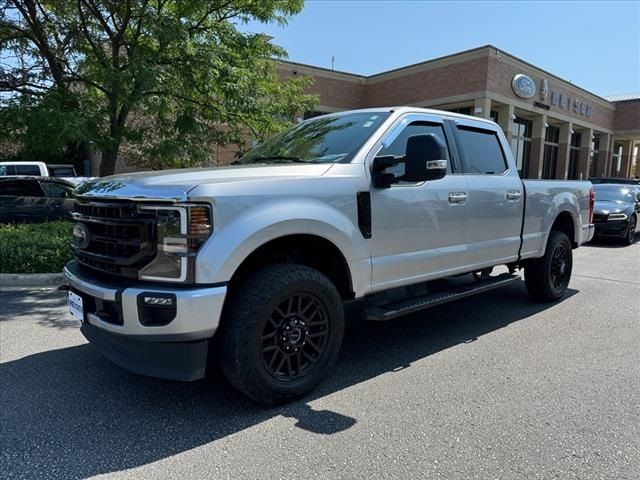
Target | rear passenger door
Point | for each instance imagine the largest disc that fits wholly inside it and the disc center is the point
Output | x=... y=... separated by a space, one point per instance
x=495 y=201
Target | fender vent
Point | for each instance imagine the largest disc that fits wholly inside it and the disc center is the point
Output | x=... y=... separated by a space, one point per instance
x=364 y=213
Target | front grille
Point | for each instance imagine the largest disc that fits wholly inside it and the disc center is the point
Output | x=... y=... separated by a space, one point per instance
x=599 y=217
x=121 y=239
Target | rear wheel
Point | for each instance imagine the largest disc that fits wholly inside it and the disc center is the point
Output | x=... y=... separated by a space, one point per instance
x=631 y=231
x=547 y=278
x=281 y=333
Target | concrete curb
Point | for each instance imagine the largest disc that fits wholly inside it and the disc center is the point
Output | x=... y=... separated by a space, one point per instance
x=31 y=279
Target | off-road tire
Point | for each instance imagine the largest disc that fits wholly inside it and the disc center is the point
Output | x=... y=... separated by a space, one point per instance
x=243 y=324
x=539 y=273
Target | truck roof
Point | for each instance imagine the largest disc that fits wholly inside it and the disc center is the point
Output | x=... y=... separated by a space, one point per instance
x=400 y=109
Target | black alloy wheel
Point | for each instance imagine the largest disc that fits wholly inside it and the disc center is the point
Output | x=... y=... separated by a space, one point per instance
x=547 y=278
x=559 y=267
x=631 y=231
x=295 y=337
x=281 y=332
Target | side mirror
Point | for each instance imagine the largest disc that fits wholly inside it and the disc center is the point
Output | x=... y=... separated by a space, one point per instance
x=425 y=158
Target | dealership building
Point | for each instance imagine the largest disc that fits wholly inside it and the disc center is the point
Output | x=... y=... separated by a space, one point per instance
x=556 y=129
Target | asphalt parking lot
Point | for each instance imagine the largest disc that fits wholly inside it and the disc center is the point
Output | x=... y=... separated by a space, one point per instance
x=493 y=387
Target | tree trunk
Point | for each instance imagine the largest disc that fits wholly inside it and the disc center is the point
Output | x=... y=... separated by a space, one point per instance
x=108 y=161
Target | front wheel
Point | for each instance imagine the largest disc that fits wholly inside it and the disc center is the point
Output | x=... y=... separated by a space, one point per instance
x=631 y=231
x=547 y=278
x=281 y=332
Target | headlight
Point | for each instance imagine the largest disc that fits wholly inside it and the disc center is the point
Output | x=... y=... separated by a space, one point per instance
x=617 y=216
x=181 y=231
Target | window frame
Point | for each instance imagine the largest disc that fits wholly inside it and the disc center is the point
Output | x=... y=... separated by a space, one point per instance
x=481 y=128
x=394 y=131
x=67 y=188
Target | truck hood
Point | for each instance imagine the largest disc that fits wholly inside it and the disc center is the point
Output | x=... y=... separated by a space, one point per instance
x=175 y=185
x=606 y=207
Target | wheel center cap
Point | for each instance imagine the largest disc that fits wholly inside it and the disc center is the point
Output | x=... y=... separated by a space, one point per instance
x=294 y=333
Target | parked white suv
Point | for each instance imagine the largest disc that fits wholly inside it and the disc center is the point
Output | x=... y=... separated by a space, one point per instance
x=252 y=263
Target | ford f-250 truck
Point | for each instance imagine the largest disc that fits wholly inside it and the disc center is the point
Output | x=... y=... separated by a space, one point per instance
x=250 y=264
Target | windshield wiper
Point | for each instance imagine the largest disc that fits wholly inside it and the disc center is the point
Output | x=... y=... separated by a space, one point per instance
x=272 y=158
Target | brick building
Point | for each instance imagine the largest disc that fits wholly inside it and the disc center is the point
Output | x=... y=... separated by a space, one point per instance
x=556 y=129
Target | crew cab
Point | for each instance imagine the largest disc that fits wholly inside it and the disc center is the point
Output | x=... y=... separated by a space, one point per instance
x=249 y=265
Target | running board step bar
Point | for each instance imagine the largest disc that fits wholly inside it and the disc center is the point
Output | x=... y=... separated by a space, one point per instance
x=393 y=310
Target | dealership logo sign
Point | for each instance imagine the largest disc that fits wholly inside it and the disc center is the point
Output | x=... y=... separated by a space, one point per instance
x=523 y=86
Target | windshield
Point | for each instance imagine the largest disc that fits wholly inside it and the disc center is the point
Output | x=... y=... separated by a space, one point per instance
x=323 y=140
x=617 y=195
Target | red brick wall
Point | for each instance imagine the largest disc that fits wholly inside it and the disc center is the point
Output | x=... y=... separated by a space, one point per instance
x=627 y=116
x=434 y=83
x=344 y=94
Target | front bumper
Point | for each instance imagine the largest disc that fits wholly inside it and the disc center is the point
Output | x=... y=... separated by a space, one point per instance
x=113 y=323
x=614 y=228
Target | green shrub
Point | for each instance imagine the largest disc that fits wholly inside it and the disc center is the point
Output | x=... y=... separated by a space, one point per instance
x=35 y=247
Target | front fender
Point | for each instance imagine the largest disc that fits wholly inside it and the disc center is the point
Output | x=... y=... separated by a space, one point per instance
x=260 y=223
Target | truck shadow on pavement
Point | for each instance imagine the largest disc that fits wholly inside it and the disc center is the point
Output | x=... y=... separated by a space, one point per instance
x=70 y=413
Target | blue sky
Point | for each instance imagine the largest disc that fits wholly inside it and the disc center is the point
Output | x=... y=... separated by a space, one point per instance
x=595 y=45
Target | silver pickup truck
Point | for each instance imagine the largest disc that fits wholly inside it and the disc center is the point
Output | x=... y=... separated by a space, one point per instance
x=250 y=265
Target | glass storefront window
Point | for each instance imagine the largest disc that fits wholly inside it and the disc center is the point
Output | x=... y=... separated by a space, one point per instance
x=574 y=156
x=521 y=144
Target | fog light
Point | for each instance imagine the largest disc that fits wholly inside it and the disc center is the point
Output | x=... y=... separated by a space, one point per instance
x=156 y=309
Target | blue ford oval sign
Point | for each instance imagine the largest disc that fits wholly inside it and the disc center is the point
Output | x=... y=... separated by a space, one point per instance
x=523 y=86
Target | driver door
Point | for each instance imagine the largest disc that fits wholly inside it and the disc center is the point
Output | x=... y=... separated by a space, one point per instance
x=419 y=229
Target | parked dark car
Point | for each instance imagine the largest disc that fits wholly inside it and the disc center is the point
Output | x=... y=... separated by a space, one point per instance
x=619 y=181
x=616 y=211
x=35 y=199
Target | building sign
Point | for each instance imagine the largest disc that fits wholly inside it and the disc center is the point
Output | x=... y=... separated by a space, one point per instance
x=523 y=86
x=573 y=105
x=544 y=89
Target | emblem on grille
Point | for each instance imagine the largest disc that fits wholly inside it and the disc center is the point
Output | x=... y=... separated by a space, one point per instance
x=81 y=235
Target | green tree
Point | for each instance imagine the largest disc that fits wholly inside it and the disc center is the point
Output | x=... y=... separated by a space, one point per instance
x=165 y=79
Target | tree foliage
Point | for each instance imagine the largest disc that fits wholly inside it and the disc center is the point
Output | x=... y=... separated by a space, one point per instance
x=163 y=79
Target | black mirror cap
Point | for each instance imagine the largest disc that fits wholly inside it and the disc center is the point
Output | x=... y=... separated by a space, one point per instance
x=425 y=158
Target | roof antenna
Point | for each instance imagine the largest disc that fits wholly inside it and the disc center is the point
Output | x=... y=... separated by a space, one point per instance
x=333 y=62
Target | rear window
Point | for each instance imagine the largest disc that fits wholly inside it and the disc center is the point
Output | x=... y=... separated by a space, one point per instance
x=482 y=151
x=62 y=171
x=27 y=170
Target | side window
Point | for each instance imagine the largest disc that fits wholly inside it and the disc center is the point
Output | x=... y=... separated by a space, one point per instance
x=482 y=151
x=399 y=146
x=20 y=188
x=56 y=190
x=27 y=170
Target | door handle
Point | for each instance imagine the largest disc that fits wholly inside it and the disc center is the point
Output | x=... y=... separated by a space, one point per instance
x=514 y=195
x=457 y=197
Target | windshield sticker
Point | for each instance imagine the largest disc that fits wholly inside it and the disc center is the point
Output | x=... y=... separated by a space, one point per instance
x=367 y=124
